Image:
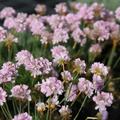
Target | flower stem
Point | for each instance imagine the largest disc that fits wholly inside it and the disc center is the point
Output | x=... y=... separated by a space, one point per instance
x=81 y=108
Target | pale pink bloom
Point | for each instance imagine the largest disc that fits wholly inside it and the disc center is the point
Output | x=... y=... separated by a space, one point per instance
x=3 y=96
x=65 y=111
x=54 y=21
x=3 y=33
x=99 y=69
x=79 y=65
x=85 y=12
x=60 y=54
x=39 y=66
x=53 y=100
x=61 y=8
x=23 y=57
x=103 y=100
x=21 y=92
x=101 y=30
x=7 y=12
x=66 y=75
x=22 y=116
x=41 y=106
x=95 y=49
x=98 y=82
x=79 y=36
x=36 y=26
x=9 y=23
x=60 y=35
x=75 y=5
x=71 y=93
x=46 y=37
x=117 y=13
x=8 y=72
x=99 y=10
x=41 y=9
x=20 y=25
x=52 y=86
x=85 y=86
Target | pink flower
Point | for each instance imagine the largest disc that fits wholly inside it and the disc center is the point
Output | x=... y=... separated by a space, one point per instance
x=39 y=66
x=3 y=96
x=99 y=69
x=79 y=36
x=21 y=92
x=85 y=86
x=117 y=13
x=52 y=86
x=98 y=82
x=60 y=54
x=103 y=100
x=66 y=75
x=65 y=111
x=23 y=57
x=8 y=72
x=7 y=12
x=95 y=49
x=3 y=33
x=9 y=23
x=41 y=9
x=79 y=66
x=22 y=116
x=61 y=8
x=71 y=93
x=60 y=35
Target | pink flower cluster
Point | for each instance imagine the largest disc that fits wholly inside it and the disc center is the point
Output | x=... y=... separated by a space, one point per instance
x=37 y=66
x=22 y=116
x=21 y=92
x=8 y=72
x=52 y=86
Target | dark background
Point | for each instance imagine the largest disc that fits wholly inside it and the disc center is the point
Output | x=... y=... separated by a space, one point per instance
x=29 y=5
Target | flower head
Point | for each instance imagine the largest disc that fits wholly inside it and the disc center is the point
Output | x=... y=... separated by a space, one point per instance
x=21 y=92
x=22 y=116
x=3 y=96
x=52 y=86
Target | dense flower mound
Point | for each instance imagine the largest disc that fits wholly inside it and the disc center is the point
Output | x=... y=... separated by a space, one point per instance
x=51 y=63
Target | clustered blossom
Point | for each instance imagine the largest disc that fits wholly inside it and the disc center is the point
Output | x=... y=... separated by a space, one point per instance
x=8 y=72
x=60 y=35
x=117 y=13
x=40 y=9
x=60 y=54
x=95 y=49
x=61 y=8
x=21 y=92
x=65 y=111
x=103 y=100
x=3 y=33
x=7 y=12
x=85 y=86
x=79 y=36
x=37 y=66
x=40 y=107
x=3 y=96
x=52 y=86
x=98 y=82
x=71 y=93
x=66 y=75
x=22 y=116
x=79 y=66
x=99 y=69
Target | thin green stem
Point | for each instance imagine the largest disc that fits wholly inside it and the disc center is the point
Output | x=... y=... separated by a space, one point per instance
x=5 y=113
x=110 y=60
x=81 y=108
